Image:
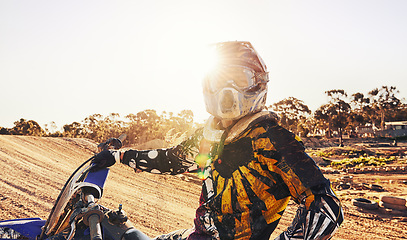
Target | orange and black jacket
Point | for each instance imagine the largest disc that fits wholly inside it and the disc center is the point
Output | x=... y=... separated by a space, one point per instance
x=250 y=183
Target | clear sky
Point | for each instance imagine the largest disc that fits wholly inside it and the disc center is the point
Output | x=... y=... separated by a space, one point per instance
x=65 y=60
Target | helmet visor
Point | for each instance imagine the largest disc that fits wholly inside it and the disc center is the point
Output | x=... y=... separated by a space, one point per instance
x=238 y=77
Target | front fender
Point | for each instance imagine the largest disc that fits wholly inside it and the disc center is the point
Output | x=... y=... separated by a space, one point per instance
x=28 y=227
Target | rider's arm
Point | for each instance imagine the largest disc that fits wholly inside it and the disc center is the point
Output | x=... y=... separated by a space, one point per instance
x=156 y=161
x=172 y=160
x=319 y=213
x=318 y=216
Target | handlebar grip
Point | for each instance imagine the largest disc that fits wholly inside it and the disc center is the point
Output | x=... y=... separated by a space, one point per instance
x=94 y=227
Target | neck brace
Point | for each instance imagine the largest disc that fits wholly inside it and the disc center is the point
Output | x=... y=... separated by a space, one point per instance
x=212 y=133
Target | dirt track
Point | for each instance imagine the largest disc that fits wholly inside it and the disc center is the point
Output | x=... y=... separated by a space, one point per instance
x=33 y=170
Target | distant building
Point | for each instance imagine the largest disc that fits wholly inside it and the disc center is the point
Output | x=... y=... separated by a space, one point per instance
x=366 y=131
x=393 y=130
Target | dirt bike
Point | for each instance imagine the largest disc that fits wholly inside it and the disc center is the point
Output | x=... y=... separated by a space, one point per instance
x=76 y=214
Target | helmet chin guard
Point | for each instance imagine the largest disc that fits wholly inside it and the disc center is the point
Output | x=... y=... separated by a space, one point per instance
x=238 y=85
x=232 y=104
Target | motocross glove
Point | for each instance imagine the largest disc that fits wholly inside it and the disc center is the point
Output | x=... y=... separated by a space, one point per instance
x=104 y=159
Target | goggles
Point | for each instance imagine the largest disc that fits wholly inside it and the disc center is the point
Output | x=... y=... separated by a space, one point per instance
x=239 y=77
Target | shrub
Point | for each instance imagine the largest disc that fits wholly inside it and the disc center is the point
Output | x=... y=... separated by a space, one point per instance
x=362 y=162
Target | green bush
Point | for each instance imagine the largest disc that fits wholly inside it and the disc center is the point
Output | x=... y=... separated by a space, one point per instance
x=362 y=162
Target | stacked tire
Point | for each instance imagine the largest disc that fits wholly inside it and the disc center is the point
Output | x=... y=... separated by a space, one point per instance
x=365 y=203
x=387 y=204
x=393 y=203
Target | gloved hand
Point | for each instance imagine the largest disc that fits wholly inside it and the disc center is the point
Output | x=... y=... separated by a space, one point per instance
x=104 y=159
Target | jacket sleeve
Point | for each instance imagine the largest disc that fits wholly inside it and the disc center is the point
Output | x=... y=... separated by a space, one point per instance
x=174 y=160
x=320 y=213
x=318 y=217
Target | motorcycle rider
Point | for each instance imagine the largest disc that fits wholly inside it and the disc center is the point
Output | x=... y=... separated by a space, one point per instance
x=250 y=166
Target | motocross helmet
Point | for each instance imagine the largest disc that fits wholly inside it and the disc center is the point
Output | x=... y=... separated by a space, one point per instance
x=237 y=85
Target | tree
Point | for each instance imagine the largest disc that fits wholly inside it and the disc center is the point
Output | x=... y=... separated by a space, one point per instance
x=100 y=128
x=114 y=126
x=51 y=130
x=385 y=102
x=293 y=114
x=401 y=113
x=92 y=127
x=74 y=129
x=361 y=111
x=336 y=113
x=323 y=118
x=27 y=127
x=361 y=108
x=4 y=131
x=177 y=127
x=149 y=126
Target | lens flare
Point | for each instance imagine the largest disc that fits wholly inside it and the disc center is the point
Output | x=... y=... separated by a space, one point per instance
x=203 y=173
x=209 y=59
x=203 y=161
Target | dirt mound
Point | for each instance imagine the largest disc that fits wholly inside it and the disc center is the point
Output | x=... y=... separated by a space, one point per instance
x=34 y=169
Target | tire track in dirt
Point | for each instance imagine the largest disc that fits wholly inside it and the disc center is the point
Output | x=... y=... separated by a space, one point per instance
x=33 y=170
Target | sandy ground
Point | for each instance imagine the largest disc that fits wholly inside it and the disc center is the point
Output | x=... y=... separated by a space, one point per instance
x=34 y=169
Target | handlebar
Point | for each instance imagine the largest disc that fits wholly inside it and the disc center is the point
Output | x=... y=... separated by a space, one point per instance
x=94 y=220
x=94 y=227
x=112 y=143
